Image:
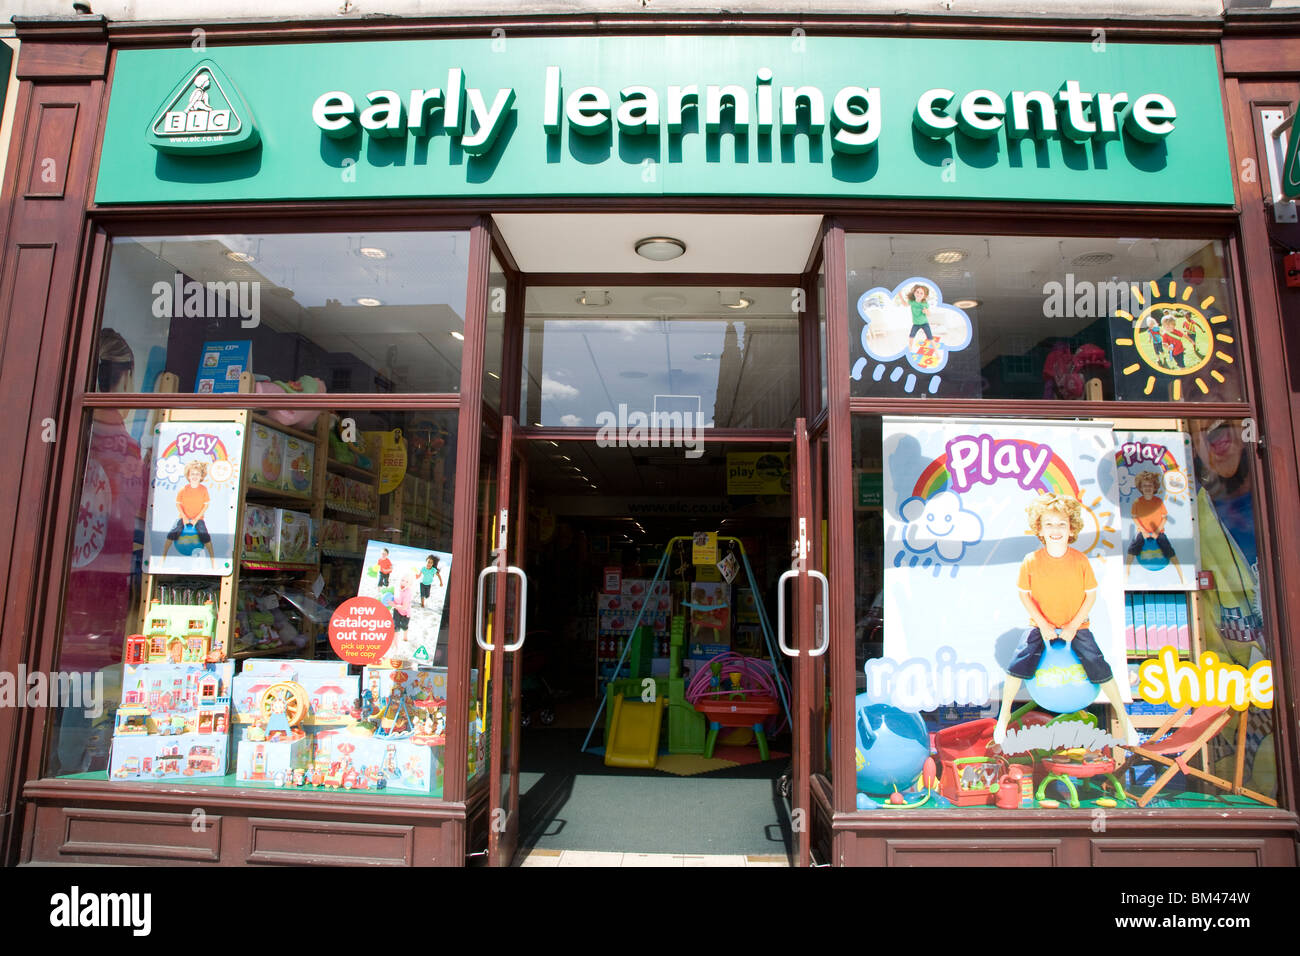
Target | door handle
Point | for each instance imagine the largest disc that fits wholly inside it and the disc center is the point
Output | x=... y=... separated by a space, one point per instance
x=523 y=608
x=826 y=614
x=478 y=610
x=786 y=649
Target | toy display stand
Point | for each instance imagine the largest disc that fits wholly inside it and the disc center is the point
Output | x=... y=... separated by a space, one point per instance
x=661 y=573
x=738 y=713
x=1066 y=769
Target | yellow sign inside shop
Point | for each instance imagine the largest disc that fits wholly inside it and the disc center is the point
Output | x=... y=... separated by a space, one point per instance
x=388 y=449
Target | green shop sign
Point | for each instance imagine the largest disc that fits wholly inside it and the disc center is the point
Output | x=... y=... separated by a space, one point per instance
x=626 y=116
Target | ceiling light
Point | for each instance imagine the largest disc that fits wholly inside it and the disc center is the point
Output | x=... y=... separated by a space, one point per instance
x=968 y=303
x=495 y=375
x=947 y=257
x=368 y=301
x=458 y=336
x=705 y=357
x=660 y=248
x=1093 y=258
x=594 y=299
x=665 y=301
x=372 y=252
x=734 y=299
x=240 y=257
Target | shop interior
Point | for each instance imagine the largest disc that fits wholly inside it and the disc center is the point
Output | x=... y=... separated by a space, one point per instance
x=596 y=566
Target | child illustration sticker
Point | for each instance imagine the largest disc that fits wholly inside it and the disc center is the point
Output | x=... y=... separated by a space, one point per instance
x=1176 y=344
x=910 y=322
x=193 y=498
x=1157 y=505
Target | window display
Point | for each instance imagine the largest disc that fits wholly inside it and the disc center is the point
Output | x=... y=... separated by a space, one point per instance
x=211 y=630
x=1048 y=630
x=1035 y=317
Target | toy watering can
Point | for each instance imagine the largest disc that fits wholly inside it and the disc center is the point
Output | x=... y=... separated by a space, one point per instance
x=1008 y=796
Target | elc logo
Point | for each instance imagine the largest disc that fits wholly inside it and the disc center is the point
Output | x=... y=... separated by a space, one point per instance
x=204 y=113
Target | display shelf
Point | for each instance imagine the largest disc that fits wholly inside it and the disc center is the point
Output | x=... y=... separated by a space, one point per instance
x=269 y=422
x=344 y=555
x=352 y=512
x=262 y=652
x=350 y=471
x=266 y=494
x=278 y=566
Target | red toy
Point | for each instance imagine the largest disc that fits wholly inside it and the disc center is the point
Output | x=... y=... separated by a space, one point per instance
x=968 y=783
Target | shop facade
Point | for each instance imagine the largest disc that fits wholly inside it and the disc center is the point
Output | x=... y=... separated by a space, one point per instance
x=1042 y=239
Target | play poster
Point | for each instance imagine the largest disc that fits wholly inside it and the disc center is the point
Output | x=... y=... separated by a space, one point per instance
x=412 y=584
x=1158 y=512
x=957 y=532
x=194 y=498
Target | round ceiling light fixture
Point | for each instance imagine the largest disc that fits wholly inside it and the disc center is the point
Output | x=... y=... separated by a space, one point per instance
x=368 y=301
x=372 y=252
x=734 y=299
x=240 y=256
x=660 y=248
x=968 y=303
x=458 y=336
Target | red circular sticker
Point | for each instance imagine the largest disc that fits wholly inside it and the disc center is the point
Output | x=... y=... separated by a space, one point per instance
x=361 y=630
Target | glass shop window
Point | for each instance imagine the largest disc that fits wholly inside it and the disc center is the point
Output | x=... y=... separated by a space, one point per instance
x=1041 y=607
x=1020 y=317
x=258 y=599
x=299 y=313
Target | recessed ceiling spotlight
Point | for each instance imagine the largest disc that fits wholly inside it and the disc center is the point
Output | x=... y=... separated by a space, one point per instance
x=595 y=299
x=665 y=301
x=968 y=303
x=660 y=248
x=458 y=336
x=368 y=300
x=372 y=252
x=240 y=256
x=947 y=257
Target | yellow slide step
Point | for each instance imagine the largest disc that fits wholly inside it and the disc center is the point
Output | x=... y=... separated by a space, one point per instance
x=634 y=733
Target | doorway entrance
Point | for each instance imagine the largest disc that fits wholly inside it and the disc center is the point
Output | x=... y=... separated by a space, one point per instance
x=634 y=416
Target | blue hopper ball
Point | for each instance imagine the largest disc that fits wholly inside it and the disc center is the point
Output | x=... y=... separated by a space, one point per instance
x=1060 y=683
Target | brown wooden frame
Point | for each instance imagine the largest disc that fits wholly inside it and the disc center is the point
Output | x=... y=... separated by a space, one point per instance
x=69 y=52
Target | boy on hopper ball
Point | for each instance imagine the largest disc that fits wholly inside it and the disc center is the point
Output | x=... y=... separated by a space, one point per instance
x=1058 y=589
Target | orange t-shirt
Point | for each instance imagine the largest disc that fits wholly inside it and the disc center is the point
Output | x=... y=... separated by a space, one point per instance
x=1057 y=585
x=1150 y=515
x=191 y=501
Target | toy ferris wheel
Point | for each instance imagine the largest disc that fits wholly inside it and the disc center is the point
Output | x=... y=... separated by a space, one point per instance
x=283 y=705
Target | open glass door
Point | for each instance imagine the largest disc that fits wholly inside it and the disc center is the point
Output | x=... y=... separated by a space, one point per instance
x=803 y=635
x=501 y=623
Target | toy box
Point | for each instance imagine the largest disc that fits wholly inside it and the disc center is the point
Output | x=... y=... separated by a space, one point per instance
x=268 y=759
x=300 y=466
x=259 y=533
x=293 y=540
x=968 y=769
x=336 y=490
x=179 y=633
x=360 y=760
x=354 y=537
x=333 y=535
x=330 y=699
x=266 y=457
x=174 y=688
x=156 y=758
x=420 y=685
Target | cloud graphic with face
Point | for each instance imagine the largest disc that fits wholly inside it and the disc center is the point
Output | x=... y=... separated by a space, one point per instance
x=888 y=326
x=940 y=524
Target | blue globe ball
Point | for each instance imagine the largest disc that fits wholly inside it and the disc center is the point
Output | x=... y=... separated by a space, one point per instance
x=188 y=542
x=1151 y=557
x=892 y=746
x=1060 y=683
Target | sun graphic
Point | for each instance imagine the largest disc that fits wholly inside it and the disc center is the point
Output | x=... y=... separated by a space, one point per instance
x=1174 y=337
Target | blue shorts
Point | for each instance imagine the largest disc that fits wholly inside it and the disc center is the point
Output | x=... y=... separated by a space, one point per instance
x=1025 y=661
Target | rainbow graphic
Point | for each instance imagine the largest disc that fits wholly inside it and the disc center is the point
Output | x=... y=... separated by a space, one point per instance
x=218 y=451
x=1055 y=479
x=1167 y=464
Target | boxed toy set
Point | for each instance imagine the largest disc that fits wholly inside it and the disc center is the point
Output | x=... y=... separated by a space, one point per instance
x=300 y=458
x=293 y=538
x=180 y=633
x=173 y=721
x=266 y=457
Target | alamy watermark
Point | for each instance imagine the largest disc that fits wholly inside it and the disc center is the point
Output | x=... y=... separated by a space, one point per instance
x=1084 y=299
x=62 y=689
x=190 y=299
x=658 y=428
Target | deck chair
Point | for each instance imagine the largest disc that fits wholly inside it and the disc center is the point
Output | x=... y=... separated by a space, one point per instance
x=1175 y=742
